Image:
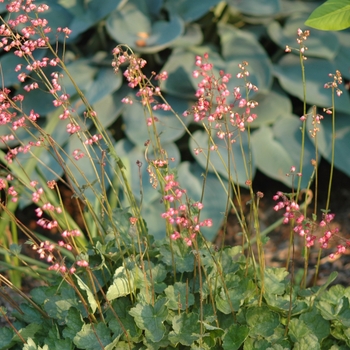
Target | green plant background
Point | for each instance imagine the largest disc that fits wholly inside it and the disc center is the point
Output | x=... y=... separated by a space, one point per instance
x=230 y=32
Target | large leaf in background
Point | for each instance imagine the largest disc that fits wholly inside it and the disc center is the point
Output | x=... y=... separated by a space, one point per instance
x=342 y=60
x=129 y=155
x=9 y=61
x=190 y=11
x=192 y=36
x=342 y=140
x=219 y=158
x=320 y=44
x=272 y=106
x=256 y=7
x=332 y=15
x=288 y=72
x=215 y=197
x=135 y=26
x=87 y=13
x=238 y=46
x=278 y=148
x=168 y=127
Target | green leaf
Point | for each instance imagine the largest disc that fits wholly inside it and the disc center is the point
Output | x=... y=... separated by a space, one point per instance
x=332 y=15
x=262 y=321
x=179 y=296
x=151 y=319
x=186 y=329
x=74 y=323
x=92 y=336
x=302 y=336
x=123 y=282
x=275 y=282
x=90 y=295
x=6 y=335
x=316 y=323
x=235 y=337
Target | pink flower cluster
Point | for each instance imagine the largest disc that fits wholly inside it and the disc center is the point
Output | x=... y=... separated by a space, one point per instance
x=133 y=73
x=213 y=93
x=183 y=216
x=304 y=227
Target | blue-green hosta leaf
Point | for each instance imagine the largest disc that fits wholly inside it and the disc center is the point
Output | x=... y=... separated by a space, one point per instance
x=151 y=319
x=192 y=36
x=6 y=335
x=168 y=126
x=332 y=15
x=133 y=25
x=272 y=106
x=215 y=194
x=342 y=140
x=130 y=155
x=256 y=7
x=288 y=72
x=278 y=148
x=88 y=13
x=238 y=46
x=190 y=11
x=319 y=43
x=219 y=158
x=342 y=59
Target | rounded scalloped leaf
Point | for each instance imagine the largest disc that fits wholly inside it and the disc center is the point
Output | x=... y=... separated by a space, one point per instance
x=190 y=11
x=272 y=106
x=238 y=46
x=219 y=158
x=88 y=13
x=342 y=140
x=256 y=7
x=134 y=26
x=130 y=154
x=190 y=176
x=320 y=43
x=278 y=148
x=168 y=126
x=288 y=73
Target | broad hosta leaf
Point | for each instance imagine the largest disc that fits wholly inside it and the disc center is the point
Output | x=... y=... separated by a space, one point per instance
x=190 y=11
x=278 y=148
x=151 y=319
x=342 y=60
x=215 y=196
x=238 y=46
x=332 y=15
x=342 y=140
x=130 y=155
x=135 y=26
x=88 y=13
x=288 y=73
x=256 y=7
x=320 y=44
x=168 y=127
x=219 y=159
x=192 y=36
x=272 y=106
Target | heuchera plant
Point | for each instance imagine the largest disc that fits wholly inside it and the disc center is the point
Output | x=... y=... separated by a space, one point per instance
x=107 y=283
